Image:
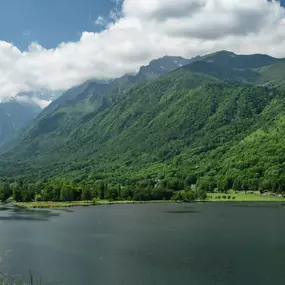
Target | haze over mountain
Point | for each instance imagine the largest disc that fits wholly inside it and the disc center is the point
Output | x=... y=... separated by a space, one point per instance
x=26 y=104
x=14 y=115
x=17 y=112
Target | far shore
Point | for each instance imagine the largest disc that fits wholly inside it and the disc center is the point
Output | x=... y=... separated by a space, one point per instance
x=31 y=205
x=211 y=197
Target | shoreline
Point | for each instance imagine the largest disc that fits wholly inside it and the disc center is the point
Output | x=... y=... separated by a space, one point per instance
x=39 y=205
x=214 y=197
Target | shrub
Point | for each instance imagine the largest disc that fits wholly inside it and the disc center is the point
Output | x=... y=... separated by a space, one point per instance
x=95 y=201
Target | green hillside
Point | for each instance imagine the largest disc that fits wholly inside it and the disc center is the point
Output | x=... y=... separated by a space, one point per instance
x=272 y=75
x=207 y=123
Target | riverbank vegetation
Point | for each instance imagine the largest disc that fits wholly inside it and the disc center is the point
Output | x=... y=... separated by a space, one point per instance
x=178 y=197
x=49 y=194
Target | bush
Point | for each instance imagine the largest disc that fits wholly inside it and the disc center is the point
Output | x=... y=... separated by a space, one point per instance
x=224 y=197
x=229 y=197
x=190 y=196
x=38 y=198
x=177 y=196
x=234 y=197
x=95 y=201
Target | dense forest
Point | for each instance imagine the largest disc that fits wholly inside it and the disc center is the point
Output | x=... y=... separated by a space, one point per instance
x=217 y=123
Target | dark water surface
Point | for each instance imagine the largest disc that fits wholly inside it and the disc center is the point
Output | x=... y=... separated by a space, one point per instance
x=145 y=244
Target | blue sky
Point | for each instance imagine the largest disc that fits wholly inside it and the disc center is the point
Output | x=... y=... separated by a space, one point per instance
x=49 y=22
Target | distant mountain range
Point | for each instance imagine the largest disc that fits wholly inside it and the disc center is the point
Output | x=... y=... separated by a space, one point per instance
x=19 y=111
x=217 y=120
x=27 y=105
x=14 y=115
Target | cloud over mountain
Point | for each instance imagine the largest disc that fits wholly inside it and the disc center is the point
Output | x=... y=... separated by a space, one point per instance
x=140 y=31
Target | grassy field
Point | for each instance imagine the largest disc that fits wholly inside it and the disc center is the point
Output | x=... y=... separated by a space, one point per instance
x=243 y=197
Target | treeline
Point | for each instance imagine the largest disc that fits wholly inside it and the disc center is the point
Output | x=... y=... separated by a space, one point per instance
x=144 y=191
x=189 y=188
x=212 y=184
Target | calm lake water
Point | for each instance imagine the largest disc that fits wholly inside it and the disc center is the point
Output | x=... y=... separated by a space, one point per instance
x=145 y=244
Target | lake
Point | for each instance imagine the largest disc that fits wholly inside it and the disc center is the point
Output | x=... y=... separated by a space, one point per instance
x=145 y=244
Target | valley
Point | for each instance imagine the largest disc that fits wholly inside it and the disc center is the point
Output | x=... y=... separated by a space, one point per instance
x=215 y=121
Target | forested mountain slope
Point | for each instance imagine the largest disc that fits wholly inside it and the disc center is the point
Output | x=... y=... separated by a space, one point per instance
x=207 y=122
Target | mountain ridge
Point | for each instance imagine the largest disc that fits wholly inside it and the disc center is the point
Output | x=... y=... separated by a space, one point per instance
x=189 y=125
x=54 y=100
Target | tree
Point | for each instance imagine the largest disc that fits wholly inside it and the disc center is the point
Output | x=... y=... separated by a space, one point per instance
x=162 y=194
x=16 y=191
x=56 y=193
x=190 y=196
x=66 y=193
x=237 y=184
x=206 y=184
x=174 y=184
x=127 y=193
x=86 y=194
x=27 y=195
x=47 y=193
x=101 y=189
x=5 y=191
x=112 y=194
x=141 y=194
x=224 y=185
x=202 y=195
x=191 y=179
x=178 y=196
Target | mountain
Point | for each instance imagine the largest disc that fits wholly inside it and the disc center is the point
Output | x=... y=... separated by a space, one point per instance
x=19 y=111
x=41 y=97
x=272 y=75
x=14 y=115
x=91 y=96
x=233 y=68
x=92 y=88
x=161 y=66
x=218 y=121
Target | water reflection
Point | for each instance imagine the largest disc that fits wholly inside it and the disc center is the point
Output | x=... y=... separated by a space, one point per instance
x=272 y=205
x=184 y=210
x=15 y=213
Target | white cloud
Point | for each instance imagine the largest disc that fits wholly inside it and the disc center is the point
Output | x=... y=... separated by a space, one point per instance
x=100 y=21
x=140 y=31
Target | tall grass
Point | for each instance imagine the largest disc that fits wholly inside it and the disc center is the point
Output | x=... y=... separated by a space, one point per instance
x=6 y=279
